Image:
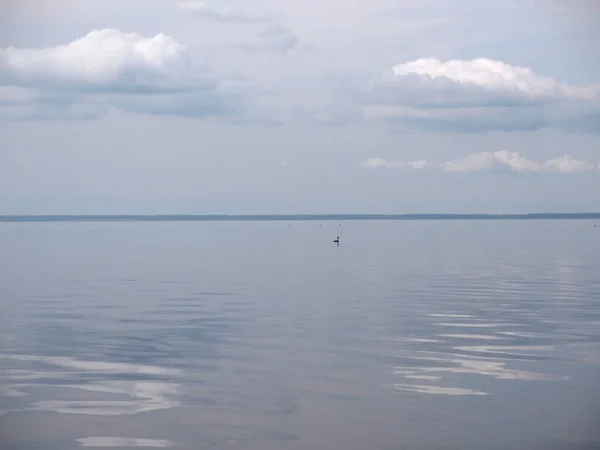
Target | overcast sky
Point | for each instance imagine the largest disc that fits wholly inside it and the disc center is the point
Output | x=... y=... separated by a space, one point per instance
x=299 y=106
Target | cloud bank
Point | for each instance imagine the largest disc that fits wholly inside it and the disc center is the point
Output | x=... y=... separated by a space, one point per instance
x=111 y=68
x=499 y=161
x=478 y=95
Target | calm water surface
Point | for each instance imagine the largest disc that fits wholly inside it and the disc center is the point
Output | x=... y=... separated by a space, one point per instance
x=267 y=336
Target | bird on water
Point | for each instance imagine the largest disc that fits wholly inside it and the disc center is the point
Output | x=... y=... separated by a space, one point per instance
x=337 y=240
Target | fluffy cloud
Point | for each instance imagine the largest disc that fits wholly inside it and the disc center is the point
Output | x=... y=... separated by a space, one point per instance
x=477 y=95
x=495 y=77
x=111 y=68
x=500 y=161
x=104 y=60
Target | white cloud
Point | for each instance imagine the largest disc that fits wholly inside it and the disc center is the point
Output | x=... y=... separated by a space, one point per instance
x=501 y=160
x=487 y=161
x=105 y=60
x=567 y=164
x=494 y=77
x=379 y=162
x=111 y=68
x=478 y=95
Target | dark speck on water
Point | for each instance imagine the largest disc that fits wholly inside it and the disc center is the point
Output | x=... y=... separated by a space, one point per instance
x=420 y=335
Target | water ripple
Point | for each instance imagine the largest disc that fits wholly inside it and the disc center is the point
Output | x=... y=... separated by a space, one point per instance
x=145 y=391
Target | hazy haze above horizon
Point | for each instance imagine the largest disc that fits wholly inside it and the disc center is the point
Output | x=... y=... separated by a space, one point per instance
x=299 y=107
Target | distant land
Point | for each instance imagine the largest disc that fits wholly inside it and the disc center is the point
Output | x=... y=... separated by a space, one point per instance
x=290 y=217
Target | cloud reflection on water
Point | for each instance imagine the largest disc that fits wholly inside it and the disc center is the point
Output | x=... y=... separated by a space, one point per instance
x=123 y=442
x=100 y=377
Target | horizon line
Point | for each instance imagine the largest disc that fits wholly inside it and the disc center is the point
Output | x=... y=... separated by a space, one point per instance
x=281 y=217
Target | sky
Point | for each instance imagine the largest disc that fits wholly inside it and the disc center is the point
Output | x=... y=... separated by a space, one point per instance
x=299 y=106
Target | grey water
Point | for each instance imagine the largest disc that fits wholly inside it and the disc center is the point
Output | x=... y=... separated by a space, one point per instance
x=422 y=335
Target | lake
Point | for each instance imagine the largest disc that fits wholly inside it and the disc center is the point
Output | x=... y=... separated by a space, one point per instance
x=422 y=335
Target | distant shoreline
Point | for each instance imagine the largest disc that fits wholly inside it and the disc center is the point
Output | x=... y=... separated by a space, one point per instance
x=288 y=217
